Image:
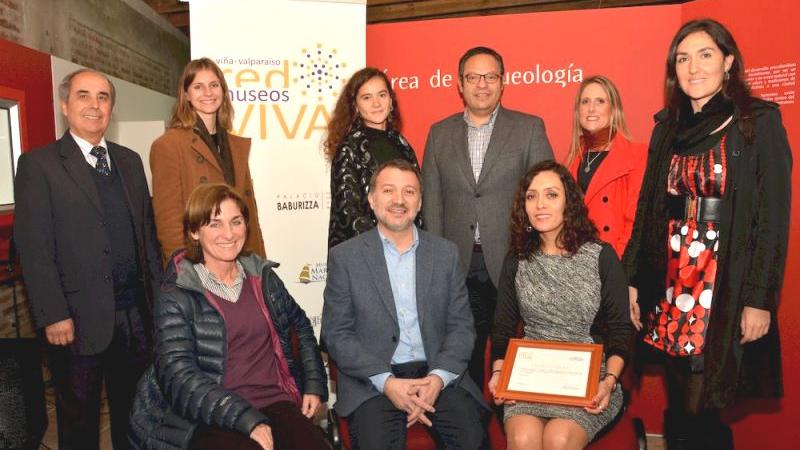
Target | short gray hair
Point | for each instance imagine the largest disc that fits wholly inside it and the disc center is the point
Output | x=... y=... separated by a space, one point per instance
x=66 y=84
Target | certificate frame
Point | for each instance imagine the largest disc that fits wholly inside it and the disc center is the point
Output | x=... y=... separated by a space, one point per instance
x=568 y=352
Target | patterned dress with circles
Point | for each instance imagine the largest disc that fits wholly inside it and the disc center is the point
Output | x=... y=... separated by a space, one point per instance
x=559 y=298
x=680 y=320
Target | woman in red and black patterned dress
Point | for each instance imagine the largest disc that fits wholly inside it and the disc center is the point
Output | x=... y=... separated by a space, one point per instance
x=708 y=248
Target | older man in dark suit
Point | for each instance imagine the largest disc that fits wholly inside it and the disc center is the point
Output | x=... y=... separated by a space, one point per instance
x=90 y=260
x=473 y=162
x=398 y=325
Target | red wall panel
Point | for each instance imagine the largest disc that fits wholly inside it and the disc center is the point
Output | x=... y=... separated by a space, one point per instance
x=26 y=73
x=28 y=70
x=626 y=44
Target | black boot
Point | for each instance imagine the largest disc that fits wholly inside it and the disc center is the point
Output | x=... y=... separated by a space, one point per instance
x=677 y=431
x=712 y=434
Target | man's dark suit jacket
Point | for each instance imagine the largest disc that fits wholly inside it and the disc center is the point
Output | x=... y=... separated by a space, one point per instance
x=359 y=318
x=453 y=202
x=63 y=245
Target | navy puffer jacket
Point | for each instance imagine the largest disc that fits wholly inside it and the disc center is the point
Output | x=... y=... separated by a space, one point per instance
x=184 y=385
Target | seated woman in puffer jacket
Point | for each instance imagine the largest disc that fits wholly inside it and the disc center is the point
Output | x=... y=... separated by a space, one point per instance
x=224 y=375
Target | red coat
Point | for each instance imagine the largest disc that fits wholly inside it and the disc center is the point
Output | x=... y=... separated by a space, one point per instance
x=614 y=191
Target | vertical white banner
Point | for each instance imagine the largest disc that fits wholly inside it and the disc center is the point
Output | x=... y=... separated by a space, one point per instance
x=285 y=62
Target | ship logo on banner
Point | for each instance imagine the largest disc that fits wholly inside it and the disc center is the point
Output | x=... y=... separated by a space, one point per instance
x=313 y=273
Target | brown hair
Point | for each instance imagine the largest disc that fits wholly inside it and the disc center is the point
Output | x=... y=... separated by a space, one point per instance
x=204 y=204
x=183 y=115
x=399 y=164
x=577 y=230
x=345 y=113
x=617 y=122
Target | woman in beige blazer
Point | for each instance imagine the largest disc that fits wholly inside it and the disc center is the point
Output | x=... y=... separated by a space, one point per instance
x=198 y=148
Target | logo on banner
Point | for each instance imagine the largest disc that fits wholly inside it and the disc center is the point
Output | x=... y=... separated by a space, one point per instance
x=320 y=73
x=282 y=98
x=313 y=273
x=302 y=201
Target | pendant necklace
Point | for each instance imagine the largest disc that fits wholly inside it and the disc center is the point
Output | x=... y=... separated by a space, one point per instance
x=589 y=162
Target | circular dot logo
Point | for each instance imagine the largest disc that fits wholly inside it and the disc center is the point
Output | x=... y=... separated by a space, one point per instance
x=320 y=72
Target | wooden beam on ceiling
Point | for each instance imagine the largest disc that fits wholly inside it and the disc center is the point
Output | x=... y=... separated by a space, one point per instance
x=397 y=10
x=379 y=11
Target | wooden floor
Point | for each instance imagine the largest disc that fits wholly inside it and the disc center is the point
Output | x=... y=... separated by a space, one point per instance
x=50 y=440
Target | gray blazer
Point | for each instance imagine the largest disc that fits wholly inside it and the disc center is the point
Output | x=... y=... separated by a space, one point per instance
x=359 y=318
x=453 y=202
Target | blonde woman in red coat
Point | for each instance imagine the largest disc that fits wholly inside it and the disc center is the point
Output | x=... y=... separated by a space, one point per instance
x=607 y=165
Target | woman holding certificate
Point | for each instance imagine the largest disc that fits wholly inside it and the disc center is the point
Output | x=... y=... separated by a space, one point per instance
x=566 y=286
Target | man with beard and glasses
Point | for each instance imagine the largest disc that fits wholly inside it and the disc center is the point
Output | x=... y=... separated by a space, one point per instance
x=397 y=322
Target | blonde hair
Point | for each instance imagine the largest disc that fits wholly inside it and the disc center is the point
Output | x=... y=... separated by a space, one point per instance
x=617 y=122
x=183 y=115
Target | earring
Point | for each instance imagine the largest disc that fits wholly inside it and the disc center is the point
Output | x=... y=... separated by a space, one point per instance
x=529 y=228
x=727 y=76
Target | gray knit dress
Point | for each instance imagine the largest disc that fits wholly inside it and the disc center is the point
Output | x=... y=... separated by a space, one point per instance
x=559 y=298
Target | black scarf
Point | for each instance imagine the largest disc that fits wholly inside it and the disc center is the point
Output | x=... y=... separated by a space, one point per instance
x=222 y=152
x=694 y=128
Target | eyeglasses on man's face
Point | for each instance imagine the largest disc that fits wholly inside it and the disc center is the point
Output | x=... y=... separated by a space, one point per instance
x=474 y=78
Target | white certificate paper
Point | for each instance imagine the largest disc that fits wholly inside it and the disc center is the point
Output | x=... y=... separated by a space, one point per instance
x=550 y=371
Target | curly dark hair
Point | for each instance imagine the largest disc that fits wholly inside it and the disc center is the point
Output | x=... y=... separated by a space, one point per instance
x=577 y=230
x=345 y=114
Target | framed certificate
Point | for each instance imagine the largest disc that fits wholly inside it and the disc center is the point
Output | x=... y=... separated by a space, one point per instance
x=562 y=373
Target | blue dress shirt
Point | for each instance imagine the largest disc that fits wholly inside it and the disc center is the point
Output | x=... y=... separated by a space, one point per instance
x=402 y=276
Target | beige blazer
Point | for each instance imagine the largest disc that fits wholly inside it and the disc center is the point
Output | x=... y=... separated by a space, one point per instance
x=180 y=161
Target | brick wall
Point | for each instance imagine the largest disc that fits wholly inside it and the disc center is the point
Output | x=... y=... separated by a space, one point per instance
x=93 y=49
x=12 y=20
x=123 y=38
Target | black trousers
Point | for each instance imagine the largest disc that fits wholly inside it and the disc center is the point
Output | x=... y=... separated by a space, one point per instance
x=482 y=302
x=378 y=425
x=78 y=382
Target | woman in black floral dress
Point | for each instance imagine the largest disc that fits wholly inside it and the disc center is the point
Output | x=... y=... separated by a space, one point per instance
x=362 y=134
x=708 y=249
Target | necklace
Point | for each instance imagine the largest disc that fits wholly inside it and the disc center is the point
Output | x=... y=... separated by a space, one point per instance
x=589 y=161
x=605 y=148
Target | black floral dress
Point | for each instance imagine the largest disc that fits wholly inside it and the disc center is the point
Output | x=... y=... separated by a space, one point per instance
x=362 y=151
